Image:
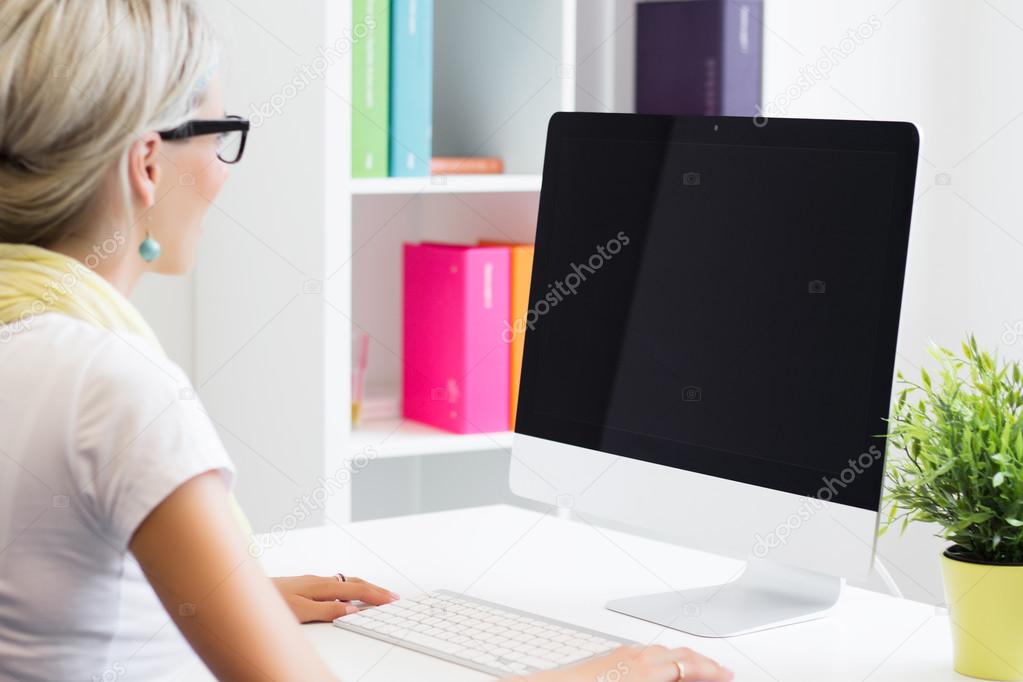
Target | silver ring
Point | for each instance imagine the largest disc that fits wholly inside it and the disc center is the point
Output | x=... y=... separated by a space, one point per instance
x=681 y=670
x=341 y=577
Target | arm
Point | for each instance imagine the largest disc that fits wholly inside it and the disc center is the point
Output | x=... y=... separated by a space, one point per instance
x=232 y=615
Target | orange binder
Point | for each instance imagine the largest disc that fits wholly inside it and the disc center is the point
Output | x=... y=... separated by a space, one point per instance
x=521 y=269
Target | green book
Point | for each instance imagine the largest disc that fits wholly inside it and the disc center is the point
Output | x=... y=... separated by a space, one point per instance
x=371 y=26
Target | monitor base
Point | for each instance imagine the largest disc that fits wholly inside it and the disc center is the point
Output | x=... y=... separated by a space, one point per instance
x=766 y=595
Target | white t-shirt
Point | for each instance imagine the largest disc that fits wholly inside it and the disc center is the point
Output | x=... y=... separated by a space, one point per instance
x=96 y=429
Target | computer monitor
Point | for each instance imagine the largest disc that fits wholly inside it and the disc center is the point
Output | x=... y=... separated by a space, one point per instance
x=710 y=346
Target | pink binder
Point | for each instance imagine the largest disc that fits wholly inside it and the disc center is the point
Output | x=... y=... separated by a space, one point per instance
x=455 y=364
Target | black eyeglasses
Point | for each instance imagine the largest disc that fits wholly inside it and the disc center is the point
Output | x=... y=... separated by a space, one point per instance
x=232 y=130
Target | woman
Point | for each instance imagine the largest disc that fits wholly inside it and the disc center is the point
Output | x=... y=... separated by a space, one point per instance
x=114 y=488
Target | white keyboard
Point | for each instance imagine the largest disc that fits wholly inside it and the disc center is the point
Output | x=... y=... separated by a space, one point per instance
x=477 y=634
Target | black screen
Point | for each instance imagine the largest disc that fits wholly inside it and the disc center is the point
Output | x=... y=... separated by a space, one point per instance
x=717 y=307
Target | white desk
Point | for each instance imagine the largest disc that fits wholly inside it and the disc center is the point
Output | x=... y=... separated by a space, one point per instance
x=568 y=570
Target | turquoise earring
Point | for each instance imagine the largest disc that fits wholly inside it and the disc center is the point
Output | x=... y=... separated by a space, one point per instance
x=149 y=249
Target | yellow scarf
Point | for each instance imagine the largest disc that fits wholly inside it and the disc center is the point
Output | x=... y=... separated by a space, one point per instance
x=34 y=281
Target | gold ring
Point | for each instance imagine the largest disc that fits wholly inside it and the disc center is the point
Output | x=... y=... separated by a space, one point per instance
x=681 y=670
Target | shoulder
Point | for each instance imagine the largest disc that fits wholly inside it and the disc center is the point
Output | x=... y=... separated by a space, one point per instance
x=137 y=431
x=65 y=343
x=55 y=340
x=114 y=386
x=129 y=366
x=68 y=356
x=126 y=385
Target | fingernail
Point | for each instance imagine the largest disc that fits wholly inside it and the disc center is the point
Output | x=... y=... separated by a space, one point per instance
x=350 y=609
x=394 y=595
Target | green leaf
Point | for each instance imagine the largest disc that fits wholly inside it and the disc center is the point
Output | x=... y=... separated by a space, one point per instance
x=976 y=517
x=955 y=444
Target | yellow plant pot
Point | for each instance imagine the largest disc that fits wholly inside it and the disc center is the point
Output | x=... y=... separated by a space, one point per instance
x=986 y=611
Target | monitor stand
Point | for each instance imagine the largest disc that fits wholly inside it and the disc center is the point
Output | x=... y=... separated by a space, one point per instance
x=766 y=595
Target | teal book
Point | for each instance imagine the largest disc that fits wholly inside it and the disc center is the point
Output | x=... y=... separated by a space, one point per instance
x=411 y=87
x=371 y=31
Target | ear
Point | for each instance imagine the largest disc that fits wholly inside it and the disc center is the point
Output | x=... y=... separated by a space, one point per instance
x=144 y=168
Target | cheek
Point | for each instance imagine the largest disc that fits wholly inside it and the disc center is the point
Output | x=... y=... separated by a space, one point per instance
x=211 y=179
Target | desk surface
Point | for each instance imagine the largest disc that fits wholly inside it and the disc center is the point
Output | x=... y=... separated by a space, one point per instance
x=568 y=570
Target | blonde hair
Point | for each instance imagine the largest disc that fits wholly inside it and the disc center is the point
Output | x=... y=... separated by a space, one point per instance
x=79 y=81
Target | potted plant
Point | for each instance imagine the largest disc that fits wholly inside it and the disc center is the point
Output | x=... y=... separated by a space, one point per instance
x=959 y=464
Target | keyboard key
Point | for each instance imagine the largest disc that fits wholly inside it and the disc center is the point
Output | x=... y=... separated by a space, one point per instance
x=374 y=625
x=538 y=663
x=432 y=642
x=570 y=657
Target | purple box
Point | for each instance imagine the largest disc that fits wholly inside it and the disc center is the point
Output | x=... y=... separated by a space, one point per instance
x=699 y=57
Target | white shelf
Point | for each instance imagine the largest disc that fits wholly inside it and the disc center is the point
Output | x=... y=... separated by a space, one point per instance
x=446 y=184
x=395 y=437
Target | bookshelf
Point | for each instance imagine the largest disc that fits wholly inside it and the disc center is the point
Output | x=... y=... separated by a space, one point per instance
x=447 y=184
x=396 y=437
x=297 y=254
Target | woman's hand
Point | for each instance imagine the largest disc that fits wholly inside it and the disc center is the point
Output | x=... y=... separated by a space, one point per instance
x=314 y=598
x=640 y=664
